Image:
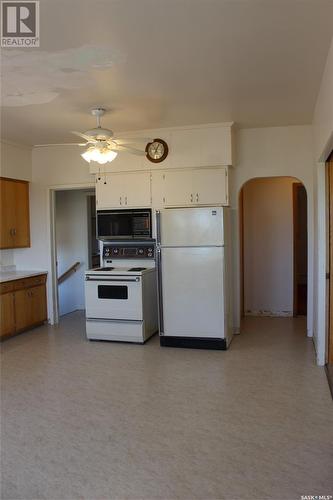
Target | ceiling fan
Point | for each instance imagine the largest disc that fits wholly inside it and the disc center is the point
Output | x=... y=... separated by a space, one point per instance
x=101 y=144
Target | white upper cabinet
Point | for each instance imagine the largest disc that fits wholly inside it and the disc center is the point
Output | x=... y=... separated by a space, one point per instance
x=123 y=190
x=201 y=147
x=210 y=186
x=197 y=146
x=190 y=187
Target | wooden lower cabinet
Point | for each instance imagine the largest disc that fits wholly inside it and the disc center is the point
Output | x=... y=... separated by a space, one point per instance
x=7 y=311
x=23 y=305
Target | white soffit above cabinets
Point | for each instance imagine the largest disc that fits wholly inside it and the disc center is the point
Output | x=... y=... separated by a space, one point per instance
x=158 y=63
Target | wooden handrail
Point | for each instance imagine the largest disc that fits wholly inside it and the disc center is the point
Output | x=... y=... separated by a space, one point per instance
x=69 y=271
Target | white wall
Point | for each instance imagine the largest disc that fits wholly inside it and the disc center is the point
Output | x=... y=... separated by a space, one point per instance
x=268 y=246
x=273 y=152
x=16 y=163
x=72 y=246
x=323 y=113
x=323 y=138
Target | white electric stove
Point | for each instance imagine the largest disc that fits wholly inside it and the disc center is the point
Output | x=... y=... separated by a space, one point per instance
x=121 y=295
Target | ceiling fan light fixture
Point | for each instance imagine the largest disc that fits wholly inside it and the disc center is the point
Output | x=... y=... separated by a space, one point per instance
x=99 y=155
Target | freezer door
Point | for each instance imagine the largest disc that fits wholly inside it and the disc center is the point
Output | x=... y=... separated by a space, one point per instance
x=191 y=226
x=192 y=292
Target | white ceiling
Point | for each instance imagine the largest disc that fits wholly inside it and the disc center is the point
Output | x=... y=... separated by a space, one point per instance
x=160 y=63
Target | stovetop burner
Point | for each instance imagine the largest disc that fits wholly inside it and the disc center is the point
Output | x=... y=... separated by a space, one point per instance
x=104 y=269
x=137 y=269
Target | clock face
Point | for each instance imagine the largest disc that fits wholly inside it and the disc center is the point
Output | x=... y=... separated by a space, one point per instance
x=157 y=150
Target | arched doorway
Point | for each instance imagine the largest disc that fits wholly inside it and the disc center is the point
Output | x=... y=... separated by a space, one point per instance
x=273 y=247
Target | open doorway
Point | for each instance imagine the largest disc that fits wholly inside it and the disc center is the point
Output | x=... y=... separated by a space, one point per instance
x=273 y=247
x=76 y=247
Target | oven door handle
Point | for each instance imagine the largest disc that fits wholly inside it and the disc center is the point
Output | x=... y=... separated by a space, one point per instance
x=119 y=280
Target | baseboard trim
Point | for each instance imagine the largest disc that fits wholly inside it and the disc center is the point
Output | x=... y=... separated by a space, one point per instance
x=269 y=314
x=194 y=343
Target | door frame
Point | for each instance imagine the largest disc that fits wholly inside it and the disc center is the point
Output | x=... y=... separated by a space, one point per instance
x=296 y=186
x=53 y=240
x=329 y=260
x=241 y=249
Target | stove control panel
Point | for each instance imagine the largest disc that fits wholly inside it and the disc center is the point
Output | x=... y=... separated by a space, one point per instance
x=146 y=251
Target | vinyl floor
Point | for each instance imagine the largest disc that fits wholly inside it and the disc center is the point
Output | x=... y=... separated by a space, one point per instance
x=95 y=420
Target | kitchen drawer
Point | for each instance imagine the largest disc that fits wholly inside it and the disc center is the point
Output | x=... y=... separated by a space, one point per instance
x=29 y=282
x=6 y=287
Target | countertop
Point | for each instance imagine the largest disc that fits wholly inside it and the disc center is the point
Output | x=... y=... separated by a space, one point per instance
x=16 y=275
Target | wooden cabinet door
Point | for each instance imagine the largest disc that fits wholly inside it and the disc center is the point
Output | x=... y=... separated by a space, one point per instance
x=15 y=229
x=210 y=186
x=23 y=310
x=30 y=306
x=38 y=304
x=7 y=314
x=21 y=226
x=7 y=200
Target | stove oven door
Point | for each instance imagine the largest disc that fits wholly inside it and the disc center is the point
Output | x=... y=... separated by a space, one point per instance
x=113 y=297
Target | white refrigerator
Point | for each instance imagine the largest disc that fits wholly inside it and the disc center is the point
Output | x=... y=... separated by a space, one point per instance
x=193 y=277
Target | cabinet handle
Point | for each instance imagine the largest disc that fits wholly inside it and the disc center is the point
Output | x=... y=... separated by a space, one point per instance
x=197 y=197
x=119 y=200
x=125 y=200
x=191 y=198
x=14 y=231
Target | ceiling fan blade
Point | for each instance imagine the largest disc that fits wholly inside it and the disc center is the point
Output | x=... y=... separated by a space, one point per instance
x=84 y=136
x=132 y=140
x=61 y=144
x=126 y=149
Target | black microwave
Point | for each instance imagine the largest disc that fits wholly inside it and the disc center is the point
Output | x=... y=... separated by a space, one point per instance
x=124 y=224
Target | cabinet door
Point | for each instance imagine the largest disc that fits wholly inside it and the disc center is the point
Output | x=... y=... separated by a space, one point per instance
x=124 y=190
x=38 y=304
x=110 y=191
x=177 y=190
x=15 y=230
x=7 y=225
x=138 y=189
x=7 y=314
x=210 y=186
x=22 y=226
x=30 y=306
x=23 y=309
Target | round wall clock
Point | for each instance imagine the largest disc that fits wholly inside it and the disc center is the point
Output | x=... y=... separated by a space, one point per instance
x=157 y=150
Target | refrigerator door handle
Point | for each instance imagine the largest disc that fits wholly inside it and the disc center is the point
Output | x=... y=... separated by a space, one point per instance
x=160 y=292
x=158 y=227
